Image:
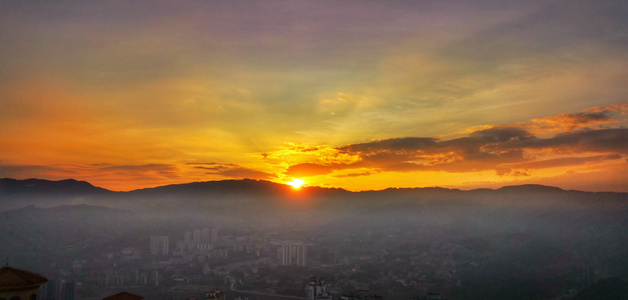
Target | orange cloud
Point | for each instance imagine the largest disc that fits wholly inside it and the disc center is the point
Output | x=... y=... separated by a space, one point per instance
x=499 y=148
x=308 y=169
x=585 y=119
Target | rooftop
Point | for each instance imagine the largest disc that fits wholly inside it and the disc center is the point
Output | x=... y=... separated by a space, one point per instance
x=12 y=278
x=124 y=296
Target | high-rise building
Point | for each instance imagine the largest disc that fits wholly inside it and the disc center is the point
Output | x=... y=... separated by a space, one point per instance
x=69 y=290
x=159 y=245
x=205 y=235
x=154 y=278
x=214 y=237
x=292 y=253
x=196 y=236
x=317 y=289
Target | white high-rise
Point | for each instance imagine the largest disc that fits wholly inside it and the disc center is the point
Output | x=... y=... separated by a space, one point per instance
x=159 y=245
x=292 y=253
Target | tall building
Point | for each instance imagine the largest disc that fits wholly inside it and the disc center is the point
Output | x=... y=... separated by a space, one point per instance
x=292 y=253
x=196 y=236
x=317 y=289
x=154 y=278
x=58 y=289
x=159 y=245
x=19 y=284
x=205 y=236
x=214 y=236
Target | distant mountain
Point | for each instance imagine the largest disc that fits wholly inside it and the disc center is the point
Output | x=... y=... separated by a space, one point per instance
x=10 y=186
x=237 y=187
x=261 y=195
x=530 y=188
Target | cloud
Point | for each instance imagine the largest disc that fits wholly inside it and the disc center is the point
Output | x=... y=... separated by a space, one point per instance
x=570 y=122
x=393 y=144
x=564 y=161
x=308 y=169
x=358 y=174
x=503 y=171
x=600 y=140
x=507 y=149
x=144 y=168
x=232 y=171
x=102 y=174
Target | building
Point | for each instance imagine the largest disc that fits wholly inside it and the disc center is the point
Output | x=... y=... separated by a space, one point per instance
x=159 y=245
x=214 y=236
x=317 y=289
x=154 y=278
x=330 y=256
x=205 y=236
x=216 y=294
x=124 y=296
x=58 y=289
x=292 y=253
x=17 y=284
x=196 y=236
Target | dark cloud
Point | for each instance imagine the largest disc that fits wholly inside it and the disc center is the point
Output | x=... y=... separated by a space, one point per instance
x=580 y=120
x=564 y=161
x=164 y=170
x=394 y=144
x=502 y=171
x=502 y=134
x=241 y=173
x=232 y=171
x=147 y=167
x=601 y=140
x=505 y=149
x=353 y=174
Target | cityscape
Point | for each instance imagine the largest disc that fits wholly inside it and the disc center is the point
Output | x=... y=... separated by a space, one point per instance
x=424 y=244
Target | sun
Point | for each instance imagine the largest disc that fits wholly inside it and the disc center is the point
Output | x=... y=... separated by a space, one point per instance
x=296 y=183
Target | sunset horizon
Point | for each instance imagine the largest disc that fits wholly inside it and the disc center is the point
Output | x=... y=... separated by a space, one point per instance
x=352 y=95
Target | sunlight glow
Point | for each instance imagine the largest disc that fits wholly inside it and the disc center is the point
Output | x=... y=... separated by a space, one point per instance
x=296 y=183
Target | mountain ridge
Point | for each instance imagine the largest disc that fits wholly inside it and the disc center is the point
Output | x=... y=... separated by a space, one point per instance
x=73 y=186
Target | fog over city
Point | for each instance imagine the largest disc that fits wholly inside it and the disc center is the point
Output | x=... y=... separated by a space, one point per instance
x=179 y=241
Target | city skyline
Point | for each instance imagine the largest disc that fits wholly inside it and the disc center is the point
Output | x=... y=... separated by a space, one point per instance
x=360 y=95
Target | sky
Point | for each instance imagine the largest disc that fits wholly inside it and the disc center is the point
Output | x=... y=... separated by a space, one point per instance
x=360 y=95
